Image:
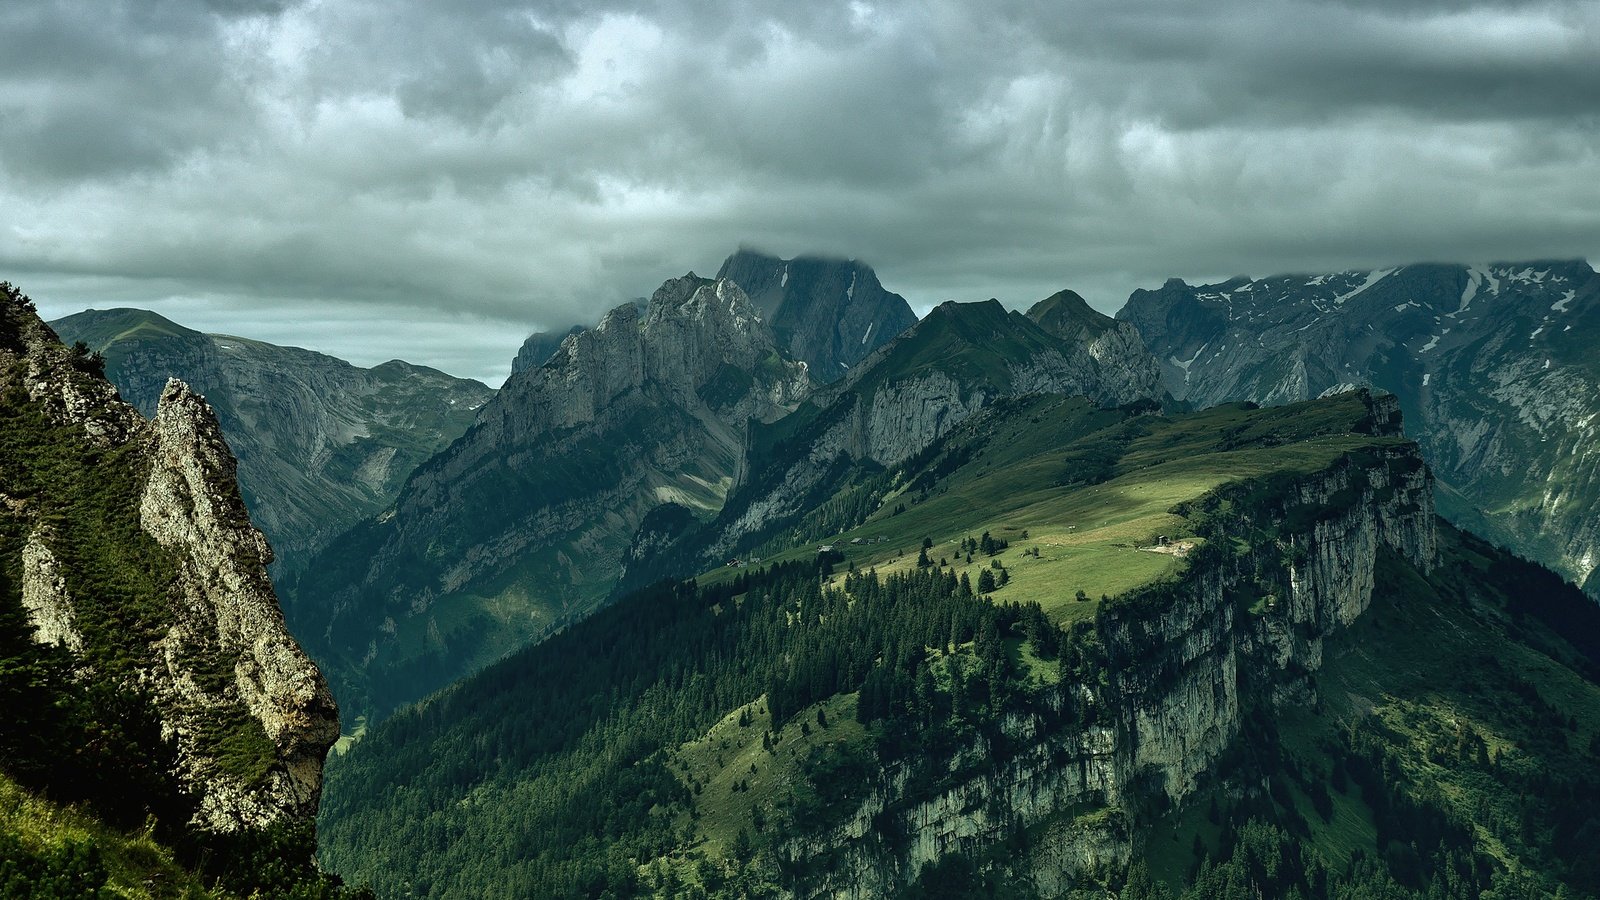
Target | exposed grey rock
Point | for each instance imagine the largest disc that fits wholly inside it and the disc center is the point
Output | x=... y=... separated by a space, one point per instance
x=44 y=595
x=532 y=510
x=1170 y=709
x=1126 y=366
x=321 y=443
x=537 y=349
x=828 y=313
x=1494 y=365
x=945 y=369
x=223 y=659
x=192 y=507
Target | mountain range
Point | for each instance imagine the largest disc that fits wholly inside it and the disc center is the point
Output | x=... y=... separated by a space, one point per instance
x=954 y=363
x=519 y=526
x=321 y=444
x=1495 y=366
x=761 y=587
x=828 y=313
x=1075 y=651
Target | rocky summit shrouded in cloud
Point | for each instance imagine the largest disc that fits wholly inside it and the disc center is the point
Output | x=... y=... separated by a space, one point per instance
x=379 y=179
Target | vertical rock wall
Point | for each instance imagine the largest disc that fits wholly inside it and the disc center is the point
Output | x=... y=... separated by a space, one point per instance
x=1177 y=656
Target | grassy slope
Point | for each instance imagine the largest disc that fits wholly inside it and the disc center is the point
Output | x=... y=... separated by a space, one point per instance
x=1089 y=536
x=733 y=776
x=138 y=865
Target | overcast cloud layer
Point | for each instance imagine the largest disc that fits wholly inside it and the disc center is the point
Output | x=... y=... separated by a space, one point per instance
x=431 y=181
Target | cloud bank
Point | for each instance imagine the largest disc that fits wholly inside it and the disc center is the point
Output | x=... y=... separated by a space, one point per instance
x=406 y=178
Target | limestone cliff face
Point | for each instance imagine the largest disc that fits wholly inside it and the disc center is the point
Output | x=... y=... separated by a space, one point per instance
x=828 y=313
x=522 y=524
x=1172 y=700
x=44 y=594
x=227 y=607
x=249 y=714
x=538 y=347
x=954 y=363
x=321 y=443
x=1493 y=364
x=1126 y=366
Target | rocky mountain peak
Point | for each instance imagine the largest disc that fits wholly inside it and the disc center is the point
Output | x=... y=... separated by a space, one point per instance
x=534 y=506
x=827 y=312
x=1492 y=363
x=539 y=346
x=1124 y=359
x=191 y=506
x=1067 y=307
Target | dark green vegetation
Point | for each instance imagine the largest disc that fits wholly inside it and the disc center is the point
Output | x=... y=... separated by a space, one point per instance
x=321 y=444
x=520 y=527
x=1452 y=752
x=567 y=801
x=680 y=742
x=89 y=804
x=1067 y=315
x=534 y=593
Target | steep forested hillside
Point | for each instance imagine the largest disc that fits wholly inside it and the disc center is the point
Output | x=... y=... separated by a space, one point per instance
x=1072 y=650
x=519 y=527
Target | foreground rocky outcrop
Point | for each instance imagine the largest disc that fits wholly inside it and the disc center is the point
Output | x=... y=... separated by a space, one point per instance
x=1183 y=662
x=135 y=554
x=321 y=443
x=1494 y=366
x=521 y=525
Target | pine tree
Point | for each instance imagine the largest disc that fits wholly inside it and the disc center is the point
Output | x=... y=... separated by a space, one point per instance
x=985 y=581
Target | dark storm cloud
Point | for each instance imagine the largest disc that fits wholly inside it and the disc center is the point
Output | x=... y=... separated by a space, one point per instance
x=432 y=180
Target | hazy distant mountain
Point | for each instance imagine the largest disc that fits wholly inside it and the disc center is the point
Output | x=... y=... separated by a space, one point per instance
x=828 y=313
x=537 y=349
x=1497 y=368
x=321 y=443
x=520 y=525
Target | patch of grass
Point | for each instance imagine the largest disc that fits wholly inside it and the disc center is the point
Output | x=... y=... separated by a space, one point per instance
x=1090 y=537
x=724 y=756
x=133 y=864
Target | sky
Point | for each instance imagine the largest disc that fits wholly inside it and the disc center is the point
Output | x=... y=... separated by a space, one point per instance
x=432 y=181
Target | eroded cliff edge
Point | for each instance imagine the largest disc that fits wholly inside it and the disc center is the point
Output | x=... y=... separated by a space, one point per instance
x=1286 y=561
x=135 y=555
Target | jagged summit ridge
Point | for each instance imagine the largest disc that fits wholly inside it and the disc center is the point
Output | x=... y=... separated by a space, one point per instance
x=828 y=312
x=533 y=508
x=955 y=362
x=1493 y=364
